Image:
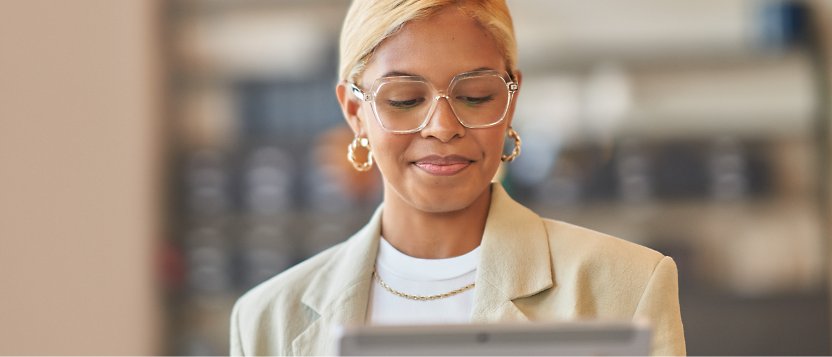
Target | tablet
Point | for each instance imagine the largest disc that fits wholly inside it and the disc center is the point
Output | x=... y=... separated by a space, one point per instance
x=567 y=338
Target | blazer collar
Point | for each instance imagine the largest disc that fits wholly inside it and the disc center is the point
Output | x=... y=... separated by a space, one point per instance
x=515 y=262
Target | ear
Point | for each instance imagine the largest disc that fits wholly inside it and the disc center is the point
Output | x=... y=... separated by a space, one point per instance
x=350 y=107
x=518 y=78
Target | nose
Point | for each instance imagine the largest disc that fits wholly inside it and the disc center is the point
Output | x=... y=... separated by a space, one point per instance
x=443 y=123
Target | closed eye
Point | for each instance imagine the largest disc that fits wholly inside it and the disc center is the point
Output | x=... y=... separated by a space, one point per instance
x=405 y=104
x=475 y=100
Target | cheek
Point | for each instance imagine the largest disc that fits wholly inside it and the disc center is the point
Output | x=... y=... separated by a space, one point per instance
x=388 y=149
x=493 y=143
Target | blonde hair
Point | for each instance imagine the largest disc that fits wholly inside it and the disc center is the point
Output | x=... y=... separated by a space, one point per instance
x=369 y=22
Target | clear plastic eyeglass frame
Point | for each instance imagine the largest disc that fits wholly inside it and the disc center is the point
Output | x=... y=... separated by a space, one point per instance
x=511 y=87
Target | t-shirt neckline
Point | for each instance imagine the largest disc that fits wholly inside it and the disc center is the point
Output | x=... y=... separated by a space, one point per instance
x=419 y=269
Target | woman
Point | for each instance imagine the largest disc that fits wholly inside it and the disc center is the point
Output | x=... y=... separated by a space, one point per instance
x=429 y=88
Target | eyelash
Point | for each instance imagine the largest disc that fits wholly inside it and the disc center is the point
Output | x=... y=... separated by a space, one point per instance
x=476 y=100
x=405 y=104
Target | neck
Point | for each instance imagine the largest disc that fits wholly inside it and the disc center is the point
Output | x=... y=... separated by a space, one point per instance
x=434 y=235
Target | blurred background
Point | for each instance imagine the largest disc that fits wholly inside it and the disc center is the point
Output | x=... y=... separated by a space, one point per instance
x=159 y=158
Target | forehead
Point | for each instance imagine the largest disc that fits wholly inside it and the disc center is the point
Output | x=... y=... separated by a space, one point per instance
x=436 y=48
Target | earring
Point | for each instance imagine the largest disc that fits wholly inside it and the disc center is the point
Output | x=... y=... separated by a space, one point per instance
x=364 y=143
x=516 y=151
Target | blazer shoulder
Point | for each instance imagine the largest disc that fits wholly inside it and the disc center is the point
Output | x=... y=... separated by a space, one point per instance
x=585 y=246
x=605 y=276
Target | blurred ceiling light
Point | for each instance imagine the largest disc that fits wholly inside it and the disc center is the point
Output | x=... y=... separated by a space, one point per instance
x=283 y=44
x=571 y=31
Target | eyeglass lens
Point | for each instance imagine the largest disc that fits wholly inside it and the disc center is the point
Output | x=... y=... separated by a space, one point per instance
x=477 y=101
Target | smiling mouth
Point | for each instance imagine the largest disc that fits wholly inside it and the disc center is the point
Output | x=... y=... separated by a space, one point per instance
x=443 y=166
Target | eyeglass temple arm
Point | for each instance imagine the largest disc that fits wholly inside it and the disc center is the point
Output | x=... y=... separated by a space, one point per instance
x=358 y=93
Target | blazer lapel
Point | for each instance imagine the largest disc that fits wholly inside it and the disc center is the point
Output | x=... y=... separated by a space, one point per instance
x=515 y=261
x=339 y=293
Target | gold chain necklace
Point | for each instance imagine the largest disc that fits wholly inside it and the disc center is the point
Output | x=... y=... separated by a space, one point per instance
x=421 y=297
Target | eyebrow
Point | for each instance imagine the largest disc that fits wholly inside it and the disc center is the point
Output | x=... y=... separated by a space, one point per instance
x=406 y=74
x=399 y=74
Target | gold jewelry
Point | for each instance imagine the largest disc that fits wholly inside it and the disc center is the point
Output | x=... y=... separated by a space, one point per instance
x=365 y=144
x=516 y=151
x=421 y=297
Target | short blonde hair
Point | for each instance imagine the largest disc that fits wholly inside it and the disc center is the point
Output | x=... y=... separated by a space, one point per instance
x=369 y=22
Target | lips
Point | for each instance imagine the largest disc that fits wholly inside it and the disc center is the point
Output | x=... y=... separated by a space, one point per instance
x=443 y=165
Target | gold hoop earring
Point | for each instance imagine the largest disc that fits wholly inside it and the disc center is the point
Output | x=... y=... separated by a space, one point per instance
x=516 y=151
x=364 y=143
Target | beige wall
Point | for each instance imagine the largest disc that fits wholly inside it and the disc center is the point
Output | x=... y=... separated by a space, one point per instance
x=825 y=17
x=79 y=177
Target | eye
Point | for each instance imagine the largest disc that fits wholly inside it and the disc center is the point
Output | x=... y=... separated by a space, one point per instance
x=405 y=104
x=475 y=100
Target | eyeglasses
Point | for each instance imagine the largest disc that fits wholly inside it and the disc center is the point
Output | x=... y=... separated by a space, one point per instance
x=404 y=104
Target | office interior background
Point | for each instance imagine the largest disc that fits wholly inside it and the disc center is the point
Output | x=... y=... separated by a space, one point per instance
x=159 y=158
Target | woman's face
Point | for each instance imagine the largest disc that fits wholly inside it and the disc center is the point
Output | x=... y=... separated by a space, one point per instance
x=444 y=167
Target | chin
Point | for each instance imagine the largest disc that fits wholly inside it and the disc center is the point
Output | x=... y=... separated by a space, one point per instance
x=446 y=199
x=443 y=206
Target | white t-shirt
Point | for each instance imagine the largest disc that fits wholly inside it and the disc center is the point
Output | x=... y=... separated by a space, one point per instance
x=417 y=276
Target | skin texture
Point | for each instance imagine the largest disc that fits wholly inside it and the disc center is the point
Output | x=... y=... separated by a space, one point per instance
x=427 y=215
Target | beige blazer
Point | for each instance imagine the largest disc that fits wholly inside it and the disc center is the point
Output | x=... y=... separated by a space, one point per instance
x=531 y=269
